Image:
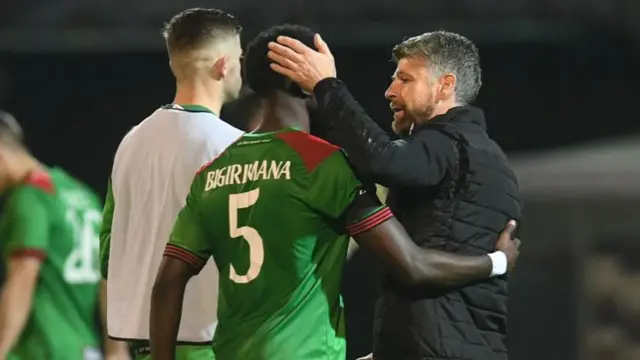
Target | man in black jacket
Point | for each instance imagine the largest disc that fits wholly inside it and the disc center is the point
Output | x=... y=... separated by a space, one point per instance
x=450 y=186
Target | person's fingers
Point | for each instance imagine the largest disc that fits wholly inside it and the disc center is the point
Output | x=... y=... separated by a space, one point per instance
x=281 y=60
x=284 y=52
x=510 y=228
x=294 y=44
x=322 y=46
x=283 y=71
x=517 y=242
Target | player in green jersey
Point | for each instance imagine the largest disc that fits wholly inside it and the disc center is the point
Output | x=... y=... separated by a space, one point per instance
x=49 y=231
x=275 y=211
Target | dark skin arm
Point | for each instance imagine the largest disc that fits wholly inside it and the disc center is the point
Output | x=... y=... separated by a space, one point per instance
x=412 y=265
x=389 y=241
x=166 y=306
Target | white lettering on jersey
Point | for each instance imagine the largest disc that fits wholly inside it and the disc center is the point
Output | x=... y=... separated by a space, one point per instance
x=241 y=174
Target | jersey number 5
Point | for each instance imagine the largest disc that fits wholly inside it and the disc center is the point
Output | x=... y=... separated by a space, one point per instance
x=251 y=236
x=81 y=266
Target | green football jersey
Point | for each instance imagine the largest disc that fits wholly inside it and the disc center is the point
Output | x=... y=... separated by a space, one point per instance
x=56 y=218
x=271 y=211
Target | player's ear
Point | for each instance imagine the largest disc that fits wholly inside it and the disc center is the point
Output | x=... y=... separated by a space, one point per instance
x=221 y=68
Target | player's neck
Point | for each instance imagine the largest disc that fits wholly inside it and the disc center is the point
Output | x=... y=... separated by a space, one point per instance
x=279 y=111
x=192 y=93
x=23 y=165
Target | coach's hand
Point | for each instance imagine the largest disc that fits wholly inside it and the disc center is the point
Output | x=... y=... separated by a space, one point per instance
x=303 y=65
x=508 y=245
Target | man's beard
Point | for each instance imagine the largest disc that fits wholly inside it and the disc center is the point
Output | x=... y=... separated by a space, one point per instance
x=405 y=125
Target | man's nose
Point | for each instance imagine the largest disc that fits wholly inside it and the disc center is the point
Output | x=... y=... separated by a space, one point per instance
x=389 y=94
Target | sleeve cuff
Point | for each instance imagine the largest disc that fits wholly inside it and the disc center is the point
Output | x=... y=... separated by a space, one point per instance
x=29 y=252
x=185 y=255
x=370 y=221
x=325 y=86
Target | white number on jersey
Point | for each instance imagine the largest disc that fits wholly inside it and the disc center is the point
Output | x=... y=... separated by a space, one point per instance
x=81 y=266
x=250 y=235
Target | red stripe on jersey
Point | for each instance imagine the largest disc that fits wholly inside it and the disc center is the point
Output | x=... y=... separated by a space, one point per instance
x=184 y=255
x=40 y=179
x=311 y=149
x=370 y=221
x=207 y=164
x=32 y=253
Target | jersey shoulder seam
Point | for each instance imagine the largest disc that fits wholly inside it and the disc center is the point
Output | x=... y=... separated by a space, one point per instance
x=40 y=180
x=310 y=149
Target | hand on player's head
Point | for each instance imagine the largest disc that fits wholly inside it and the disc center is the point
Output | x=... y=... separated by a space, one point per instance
x=509 y=245
x=304 y=64
x=257 y=70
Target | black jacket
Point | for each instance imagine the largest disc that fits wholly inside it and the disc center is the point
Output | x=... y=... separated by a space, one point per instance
x=452 y=189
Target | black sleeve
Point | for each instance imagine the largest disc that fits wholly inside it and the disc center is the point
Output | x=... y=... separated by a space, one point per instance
x=375 y=229
x=421 y=160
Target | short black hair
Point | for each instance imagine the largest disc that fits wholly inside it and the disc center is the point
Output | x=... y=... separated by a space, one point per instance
x=193 y=27
x=258 y=75
x=10 y=131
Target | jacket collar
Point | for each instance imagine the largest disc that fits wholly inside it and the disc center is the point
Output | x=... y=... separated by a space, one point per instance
x=459 y=114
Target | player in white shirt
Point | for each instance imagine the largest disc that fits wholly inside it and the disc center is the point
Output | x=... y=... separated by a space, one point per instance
x=152 y=172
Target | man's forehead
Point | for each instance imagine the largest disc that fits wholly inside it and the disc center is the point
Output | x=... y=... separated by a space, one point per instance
x=411 y=65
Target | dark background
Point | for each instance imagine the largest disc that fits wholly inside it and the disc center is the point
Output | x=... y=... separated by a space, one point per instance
x=75 y=107
x=78 y=76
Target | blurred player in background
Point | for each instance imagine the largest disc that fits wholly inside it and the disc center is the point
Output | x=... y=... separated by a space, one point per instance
x=49 y=231
x=152 y=171
x=274 y=210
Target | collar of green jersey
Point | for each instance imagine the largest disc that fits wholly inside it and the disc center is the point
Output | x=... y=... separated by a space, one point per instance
x=192 y=108
x=269 y=133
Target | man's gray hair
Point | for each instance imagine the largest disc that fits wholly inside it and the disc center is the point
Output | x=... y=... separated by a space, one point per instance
x=446 y=52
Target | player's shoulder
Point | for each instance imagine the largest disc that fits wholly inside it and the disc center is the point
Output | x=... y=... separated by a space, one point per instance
x=39 y=181
x=217 y=135
x=127 y=139
x=38 y=187
x=217 y=155
x=312 y=150
x=204 y=132
x=70 y=186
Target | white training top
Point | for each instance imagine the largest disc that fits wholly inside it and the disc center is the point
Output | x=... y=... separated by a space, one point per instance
x=152 y=174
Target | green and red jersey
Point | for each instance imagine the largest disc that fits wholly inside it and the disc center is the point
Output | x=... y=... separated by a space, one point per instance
x=275 y=210
x=56 y=218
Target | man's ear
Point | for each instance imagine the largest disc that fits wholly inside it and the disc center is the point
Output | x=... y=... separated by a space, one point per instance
x=221 y=68
x=447 y=87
